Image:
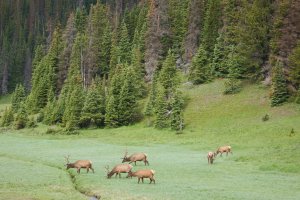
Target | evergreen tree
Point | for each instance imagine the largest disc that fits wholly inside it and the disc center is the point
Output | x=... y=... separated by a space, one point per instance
x=111 y=113
x=279 y=93
x=124 y=44
x=21 y=118
x=176 y=117
x=200 y=71
x=218 y=64
x=128 y=98
x=212 y=23
x=7 y=118
x=114 y=54
x=18 y=97
x=138 y=71
x=94 y=108
x=150 y=106
x=294 y=60
x=162 y=109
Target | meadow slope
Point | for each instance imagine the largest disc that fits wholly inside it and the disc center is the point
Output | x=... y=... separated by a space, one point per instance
x=264 y=165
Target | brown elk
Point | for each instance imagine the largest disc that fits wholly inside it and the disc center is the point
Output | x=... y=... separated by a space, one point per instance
x=79 y=164
x=210 y=157
x=141 y=174
x=135 y=157
x=118 y=169
x=222 y=150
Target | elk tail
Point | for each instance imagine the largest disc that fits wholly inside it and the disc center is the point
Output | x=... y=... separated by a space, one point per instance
x=153 y=172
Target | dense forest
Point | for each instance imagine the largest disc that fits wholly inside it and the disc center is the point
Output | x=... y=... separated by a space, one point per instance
x=89 y=63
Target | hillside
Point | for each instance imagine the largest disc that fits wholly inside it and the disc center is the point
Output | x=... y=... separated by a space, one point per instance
x=263 y=153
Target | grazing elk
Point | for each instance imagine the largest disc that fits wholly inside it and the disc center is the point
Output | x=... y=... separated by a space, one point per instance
x=135 y=157
x=222 y=150
x=79 y=164
x=141 y=174
x=118 y=169
x=210 y=157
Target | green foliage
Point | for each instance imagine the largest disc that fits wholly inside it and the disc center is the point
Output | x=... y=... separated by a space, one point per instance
x=212 y=23
x=7 y=117
x=176 y=117
x=138 y=71
x=253 y=37
x=218 y=64
x=297 y=100
x=18 y=97
x=150 y=106
x=200 y=71
x=279 y=93
x=294 y=61
x=93 y=110
x=232 y=86
x=178 y=13
x=45 y=75
x=114 y=53
x=21 y=118
x=80 y=19
x=162 y=109
x=31 y=123
x=124 y=44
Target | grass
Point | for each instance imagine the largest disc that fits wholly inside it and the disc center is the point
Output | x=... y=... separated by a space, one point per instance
x=264 y=165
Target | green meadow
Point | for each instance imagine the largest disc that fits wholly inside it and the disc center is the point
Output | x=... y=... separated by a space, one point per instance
x=264 y=164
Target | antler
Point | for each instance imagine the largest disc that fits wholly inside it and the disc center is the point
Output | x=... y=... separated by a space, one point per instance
x=67 y=158
x=107 y=168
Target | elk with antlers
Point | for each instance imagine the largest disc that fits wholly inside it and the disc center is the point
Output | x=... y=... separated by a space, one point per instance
x=79 y=164
x=135 y=157
x=222 y=150
x=118 y=169
x=141 y=174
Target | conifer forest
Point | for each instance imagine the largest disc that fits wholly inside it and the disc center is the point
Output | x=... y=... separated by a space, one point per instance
x=90 y=63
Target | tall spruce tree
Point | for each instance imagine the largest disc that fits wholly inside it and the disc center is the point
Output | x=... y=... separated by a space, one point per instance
x=93 y=110
x=279 y=93
x=294 y=61
x=18 y=97
x=21 y=118
x=200 y=71
x=176 y=116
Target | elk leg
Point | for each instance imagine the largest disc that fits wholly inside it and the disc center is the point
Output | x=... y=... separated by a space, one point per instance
x=134 y=162
x=138 y=180
x=92 y=170
x=119 y=175
x=78 y=170
x=87 y=170
x=142 y=180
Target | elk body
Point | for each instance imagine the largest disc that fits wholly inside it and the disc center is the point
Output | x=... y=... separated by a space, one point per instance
x=210 y=157
x=79 y=164
x=135 y=157
x=118 y=169
x=141 y=174
x=222 y=150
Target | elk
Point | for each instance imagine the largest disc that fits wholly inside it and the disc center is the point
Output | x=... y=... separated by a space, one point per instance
x=210 y=157
x=79 y=164
x=141 y=174
x=135 y=157
x=118 y=169
x=222 y=150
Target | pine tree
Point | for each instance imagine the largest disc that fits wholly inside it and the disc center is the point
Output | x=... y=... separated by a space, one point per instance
x=218 y=65
x=93 y=109
x=18 y=97
x=21 y=118
x=279 y=93
x=138 y=68
x=124 y=44
x=114 y=53
x=113 y=100
x=294 y=60
x=162 y=109
x=128 y=98
x=176 y=117
x=150 y=106
x=200 y=71
x=212 y=23
x=7 y=118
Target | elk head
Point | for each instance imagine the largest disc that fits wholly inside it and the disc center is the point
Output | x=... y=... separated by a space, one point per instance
x=67 y=161
x=125 y=158
x=107 y=171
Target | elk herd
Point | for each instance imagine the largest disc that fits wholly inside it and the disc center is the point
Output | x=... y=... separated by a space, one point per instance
x=123 y=167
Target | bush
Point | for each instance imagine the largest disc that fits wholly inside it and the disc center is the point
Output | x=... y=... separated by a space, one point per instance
x=31 y=123
x=232 y=86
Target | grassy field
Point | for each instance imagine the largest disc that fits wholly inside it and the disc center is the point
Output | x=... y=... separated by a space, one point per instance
x=264 y=165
